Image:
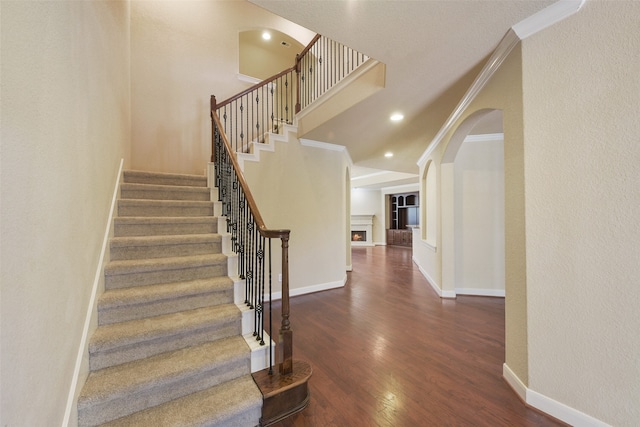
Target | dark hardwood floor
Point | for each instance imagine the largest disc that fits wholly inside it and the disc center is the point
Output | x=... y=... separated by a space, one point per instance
x=387 y=351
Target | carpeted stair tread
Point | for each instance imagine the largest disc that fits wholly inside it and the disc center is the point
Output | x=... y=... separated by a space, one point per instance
x=146 y=207
x=165 y=291
x=153 y=225
x=134 y=386
x=154 y=264
x=163 y=192
x=119 y=305
x=235 y=403
x=141 y=272
x=159 y=178
x=121 y=334
x=140 y=247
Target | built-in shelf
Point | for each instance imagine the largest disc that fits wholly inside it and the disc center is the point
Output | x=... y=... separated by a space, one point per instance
x=404 y=210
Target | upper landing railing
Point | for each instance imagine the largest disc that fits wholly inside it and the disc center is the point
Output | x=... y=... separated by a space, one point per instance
x=265 y=107
x=247 y=118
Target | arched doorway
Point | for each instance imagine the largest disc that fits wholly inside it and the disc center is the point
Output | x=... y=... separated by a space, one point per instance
x=472 y=208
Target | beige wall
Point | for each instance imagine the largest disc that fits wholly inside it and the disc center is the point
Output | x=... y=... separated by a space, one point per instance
x=262 y=59
x=570 y=98
x=182 y=53
x=582 y=104
x=479 y=218
x=65 y=128
x=301 y=188
x=502 y=92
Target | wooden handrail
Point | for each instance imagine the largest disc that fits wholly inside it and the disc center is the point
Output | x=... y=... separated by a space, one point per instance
x=254 y=87
x=308 y=47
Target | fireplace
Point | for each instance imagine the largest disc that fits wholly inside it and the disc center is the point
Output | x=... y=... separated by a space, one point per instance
x=359 y=236
x=362 y=230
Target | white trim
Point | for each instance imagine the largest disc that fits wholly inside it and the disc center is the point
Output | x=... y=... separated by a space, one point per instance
x=525 y=28
x=402 y=188
x=547 y=405
x=275 y=296
x=514 y=382
x=433 y=283
x=561 y=411
x=248 y=79
x=481 y=292
x=506 y=45
x=431 y=246
x=485 y=137
x=82 y=350
x=547 y=17
x=323 y=145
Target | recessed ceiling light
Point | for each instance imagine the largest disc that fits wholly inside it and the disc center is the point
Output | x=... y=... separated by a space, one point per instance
x=266 y=35
x=388 y=154
x=396 y=117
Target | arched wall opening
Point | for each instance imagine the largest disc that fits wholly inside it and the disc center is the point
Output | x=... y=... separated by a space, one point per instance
x=429 y=211
x=472 y=183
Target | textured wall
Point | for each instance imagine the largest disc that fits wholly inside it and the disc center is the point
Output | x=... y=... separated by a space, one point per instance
x=479 y=217
x=65 y=127
x=502 y=92
x=301 y=188
x=581 y=104
x=182 y=53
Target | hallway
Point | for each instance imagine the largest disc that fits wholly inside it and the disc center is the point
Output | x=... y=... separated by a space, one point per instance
x=387 y=351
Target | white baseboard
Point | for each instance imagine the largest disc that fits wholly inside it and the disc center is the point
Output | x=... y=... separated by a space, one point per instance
x=91 y=317
x=548 y=405
x=311 y=289
x=433 y=283
x=481 y=292
x=514 y=382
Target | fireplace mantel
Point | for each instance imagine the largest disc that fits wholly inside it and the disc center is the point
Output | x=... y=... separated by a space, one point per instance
x=362 y=230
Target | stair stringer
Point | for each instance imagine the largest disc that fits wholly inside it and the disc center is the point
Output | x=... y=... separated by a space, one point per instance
x=268 y=145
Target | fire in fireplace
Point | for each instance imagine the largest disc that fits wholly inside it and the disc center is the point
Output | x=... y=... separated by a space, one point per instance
x=358 y=236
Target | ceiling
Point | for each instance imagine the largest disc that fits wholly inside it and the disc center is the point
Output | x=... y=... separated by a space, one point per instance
x=433 y=50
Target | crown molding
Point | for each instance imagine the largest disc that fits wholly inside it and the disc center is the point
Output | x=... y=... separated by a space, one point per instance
x=547 y=17
x=525 y=28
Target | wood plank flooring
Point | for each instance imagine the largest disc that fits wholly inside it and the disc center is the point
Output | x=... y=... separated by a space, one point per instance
x=387 y=351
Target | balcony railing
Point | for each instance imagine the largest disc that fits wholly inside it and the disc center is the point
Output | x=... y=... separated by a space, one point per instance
x=247 y=117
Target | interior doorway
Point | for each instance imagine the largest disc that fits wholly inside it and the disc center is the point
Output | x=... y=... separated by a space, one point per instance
x=473 y=208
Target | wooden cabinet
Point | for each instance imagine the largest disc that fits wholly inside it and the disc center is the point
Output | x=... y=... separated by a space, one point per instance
x=403 y=216
x=399 y=237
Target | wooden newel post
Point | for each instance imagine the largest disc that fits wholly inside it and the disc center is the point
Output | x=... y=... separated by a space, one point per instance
x=286 y=334
x=213 y=127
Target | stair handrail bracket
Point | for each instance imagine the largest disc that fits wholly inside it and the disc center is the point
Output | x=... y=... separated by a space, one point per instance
x=251 y=241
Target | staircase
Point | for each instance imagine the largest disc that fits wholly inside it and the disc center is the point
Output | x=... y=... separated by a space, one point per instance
x=168 y=349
